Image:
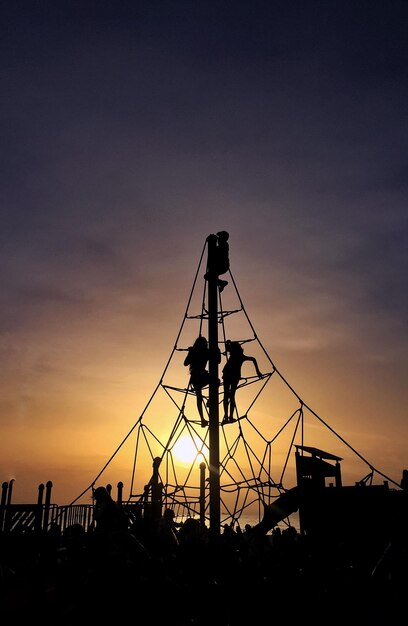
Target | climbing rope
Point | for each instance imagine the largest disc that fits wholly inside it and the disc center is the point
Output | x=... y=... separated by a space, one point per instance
x=247 y=464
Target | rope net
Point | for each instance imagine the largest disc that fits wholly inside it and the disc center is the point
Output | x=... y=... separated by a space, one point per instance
x=256 y=449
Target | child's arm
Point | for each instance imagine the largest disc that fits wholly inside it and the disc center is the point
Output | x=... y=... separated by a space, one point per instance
x=254 y=361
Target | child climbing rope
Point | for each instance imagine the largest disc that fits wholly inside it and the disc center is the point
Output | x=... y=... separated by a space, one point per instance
x=197 y=359
x=231 y=375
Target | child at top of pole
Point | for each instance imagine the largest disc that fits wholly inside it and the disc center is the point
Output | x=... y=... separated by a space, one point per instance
x=221 y=262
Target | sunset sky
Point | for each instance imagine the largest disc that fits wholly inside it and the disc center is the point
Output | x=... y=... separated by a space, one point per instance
x=131 y=130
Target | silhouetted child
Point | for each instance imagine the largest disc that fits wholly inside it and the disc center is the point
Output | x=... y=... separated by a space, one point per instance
x=221 y=258
x=197 y=359
x=108 y=516
x=231 y=375
x=167 y=532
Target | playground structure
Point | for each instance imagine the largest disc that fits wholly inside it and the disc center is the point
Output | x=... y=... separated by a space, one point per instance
x=256 y=467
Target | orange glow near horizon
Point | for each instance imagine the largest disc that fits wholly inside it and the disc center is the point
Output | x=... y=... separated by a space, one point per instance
x=72 y=401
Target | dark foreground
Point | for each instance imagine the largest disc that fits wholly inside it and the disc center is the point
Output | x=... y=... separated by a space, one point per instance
x=180 y=577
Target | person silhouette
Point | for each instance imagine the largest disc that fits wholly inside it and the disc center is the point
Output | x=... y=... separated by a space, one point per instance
x=197 y=359
x=108 y=516
x=167 y=532
x=231 y=375
x=222 y=263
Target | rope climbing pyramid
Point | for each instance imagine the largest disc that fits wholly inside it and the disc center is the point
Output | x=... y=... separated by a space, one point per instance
x=260 y=419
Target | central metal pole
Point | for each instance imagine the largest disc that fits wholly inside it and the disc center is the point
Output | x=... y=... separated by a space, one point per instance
x=213 y=408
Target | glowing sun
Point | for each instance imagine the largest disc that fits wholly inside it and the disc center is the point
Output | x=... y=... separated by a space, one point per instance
x=187 y=449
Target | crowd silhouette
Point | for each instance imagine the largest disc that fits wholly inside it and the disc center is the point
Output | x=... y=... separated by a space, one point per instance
x=172 y=572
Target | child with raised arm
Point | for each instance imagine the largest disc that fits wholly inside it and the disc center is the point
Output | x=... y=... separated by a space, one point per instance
x=231 y=375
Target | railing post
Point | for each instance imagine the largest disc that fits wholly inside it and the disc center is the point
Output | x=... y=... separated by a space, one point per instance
x=10 y=491
x=48 y=488
x=39 y=509
x=120 y=492
x=7 y=518
x=4 y=489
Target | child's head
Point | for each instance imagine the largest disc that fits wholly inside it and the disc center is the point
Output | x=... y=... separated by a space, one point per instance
x=233 y=347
